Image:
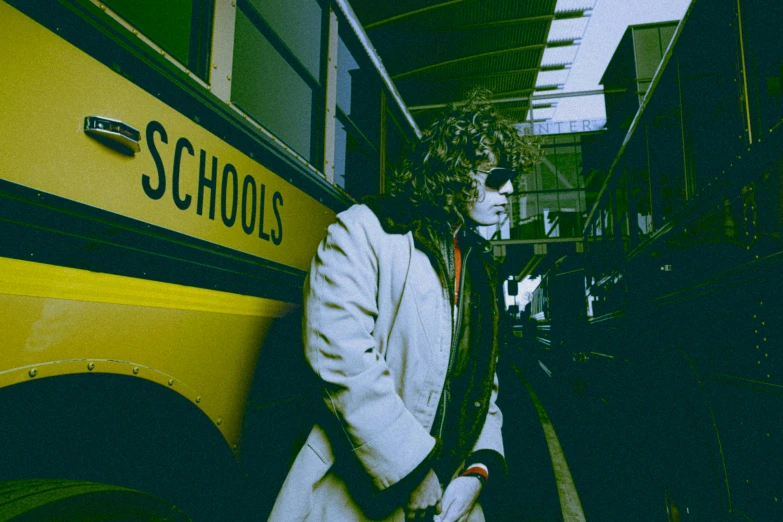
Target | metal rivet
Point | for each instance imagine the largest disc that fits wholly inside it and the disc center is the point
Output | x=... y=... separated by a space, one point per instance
x=214 y=66
x=219 y=422
x=136 y=370
x=33 y=372
x=477 y=404
x=233 y=4
x=171 y=382
x=228 y=78
x=198 y=399
x=91 y=366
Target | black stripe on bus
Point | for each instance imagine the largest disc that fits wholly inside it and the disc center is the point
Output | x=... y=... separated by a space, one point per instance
x=41 y=227
x=90 y=30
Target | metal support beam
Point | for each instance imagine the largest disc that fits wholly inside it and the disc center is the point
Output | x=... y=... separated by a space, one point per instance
x=562 y=15
x=415 y=12
x=573 y=94
x=467 y=58
x=500 y=23
x=545 y=68
x=498 y=100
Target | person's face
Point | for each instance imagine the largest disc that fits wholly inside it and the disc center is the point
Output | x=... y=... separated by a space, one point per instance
x=491 y=201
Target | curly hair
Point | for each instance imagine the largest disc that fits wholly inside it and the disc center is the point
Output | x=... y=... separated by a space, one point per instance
x=436 y=176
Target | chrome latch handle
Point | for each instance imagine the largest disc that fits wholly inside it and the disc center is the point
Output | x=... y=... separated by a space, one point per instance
x=108 y=131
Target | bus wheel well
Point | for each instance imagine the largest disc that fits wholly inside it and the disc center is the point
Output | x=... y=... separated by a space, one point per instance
x=124 y=431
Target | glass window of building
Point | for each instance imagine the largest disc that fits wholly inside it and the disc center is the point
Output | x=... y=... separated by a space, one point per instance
x=550 y=201
x=525 y=216
x=549 y=207
x=528 y=181
x=548 y=169
x=647 y=45
x=567 y=167
x=571 y=210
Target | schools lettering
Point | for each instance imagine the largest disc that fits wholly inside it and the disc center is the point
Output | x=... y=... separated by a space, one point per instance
x=251 y=206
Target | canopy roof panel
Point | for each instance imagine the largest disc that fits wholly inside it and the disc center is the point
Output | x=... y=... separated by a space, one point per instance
x=436 y=51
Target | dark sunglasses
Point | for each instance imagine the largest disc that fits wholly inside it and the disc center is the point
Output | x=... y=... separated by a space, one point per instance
x=498 y=176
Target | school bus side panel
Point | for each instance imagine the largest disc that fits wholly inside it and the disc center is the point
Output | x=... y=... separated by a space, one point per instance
x=198 y=342
x=184 y=178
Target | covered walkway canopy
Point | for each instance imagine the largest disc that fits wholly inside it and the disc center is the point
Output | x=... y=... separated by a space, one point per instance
x=436 y=51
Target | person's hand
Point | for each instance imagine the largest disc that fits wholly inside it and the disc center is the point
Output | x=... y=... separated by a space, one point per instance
x=425 y=497
x=458 y=499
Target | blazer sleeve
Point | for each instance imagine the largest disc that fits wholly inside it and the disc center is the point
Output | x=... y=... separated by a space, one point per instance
x=340 y=309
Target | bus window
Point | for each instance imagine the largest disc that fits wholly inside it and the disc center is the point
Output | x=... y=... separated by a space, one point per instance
x=182 y=28
x=357 y=132
x=358 y=90
x=357 y=166
x=276 y=80
x=299 y=25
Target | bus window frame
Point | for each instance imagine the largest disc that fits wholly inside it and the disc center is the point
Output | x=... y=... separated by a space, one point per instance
x=205 y=47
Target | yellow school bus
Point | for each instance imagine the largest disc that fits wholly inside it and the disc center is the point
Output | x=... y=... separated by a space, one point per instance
x=166 y=172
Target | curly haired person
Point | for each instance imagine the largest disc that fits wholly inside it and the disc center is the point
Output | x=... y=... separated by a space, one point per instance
x=401 y=327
